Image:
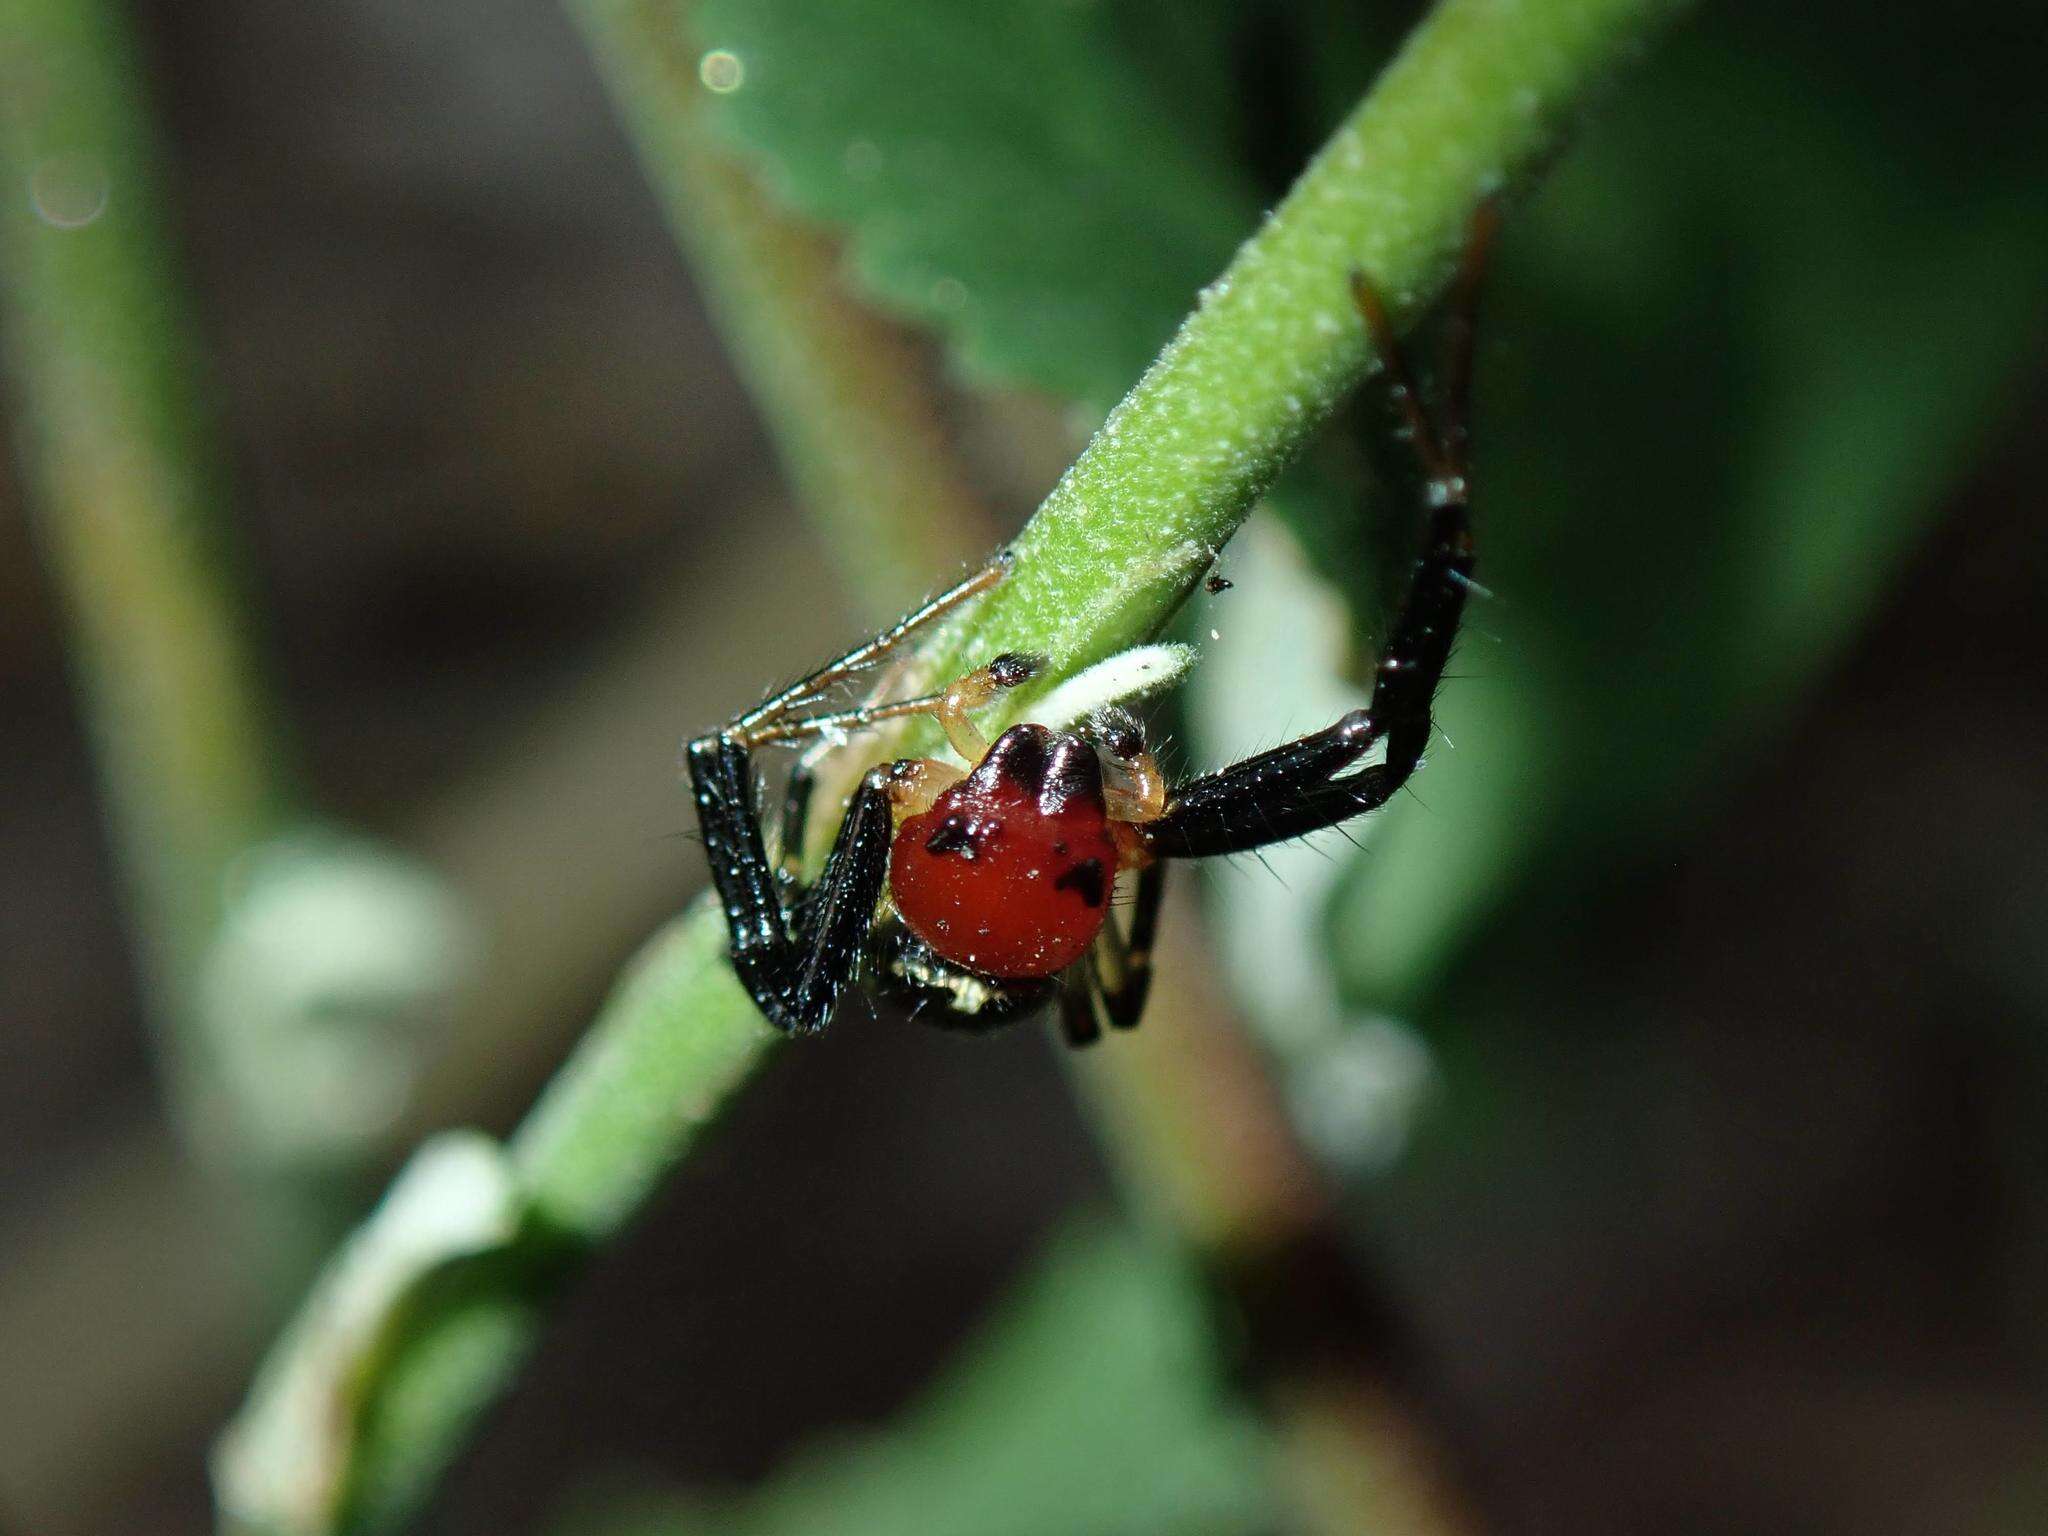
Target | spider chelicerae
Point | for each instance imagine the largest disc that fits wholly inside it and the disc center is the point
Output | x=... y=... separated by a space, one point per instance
x=979 y=893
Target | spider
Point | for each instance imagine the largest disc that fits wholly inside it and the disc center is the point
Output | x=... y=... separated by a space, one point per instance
x=980 y=894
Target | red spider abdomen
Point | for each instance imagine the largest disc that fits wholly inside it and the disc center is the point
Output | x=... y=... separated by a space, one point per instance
x=1010 y=872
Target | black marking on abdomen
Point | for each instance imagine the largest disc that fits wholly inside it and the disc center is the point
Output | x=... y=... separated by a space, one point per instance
x=1073 y=776
x=1015 y=762
x=1086 y=879
x=956 y=834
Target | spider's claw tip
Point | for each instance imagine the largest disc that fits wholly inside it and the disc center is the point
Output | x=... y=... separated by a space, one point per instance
x=1012 y=669
x=1117 y=729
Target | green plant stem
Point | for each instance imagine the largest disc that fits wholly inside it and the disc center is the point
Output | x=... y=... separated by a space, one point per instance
x=1480 y=91
x=236 y=894
x=846 y=389
x=125 y=476
x=676 y=1038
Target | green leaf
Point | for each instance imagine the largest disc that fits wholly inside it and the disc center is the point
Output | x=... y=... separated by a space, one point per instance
x=1047 y=184
x=1090 y=1407
x=1731 y=374
x=1734 y=354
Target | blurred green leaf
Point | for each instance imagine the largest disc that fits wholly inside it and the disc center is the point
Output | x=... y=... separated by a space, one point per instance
x=1089 y=1408
x=1047 y=184
x=1741 y=344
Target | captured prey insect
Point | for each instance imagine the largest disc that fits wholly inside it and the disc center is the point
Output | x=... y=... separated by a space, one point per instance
x=978 y=894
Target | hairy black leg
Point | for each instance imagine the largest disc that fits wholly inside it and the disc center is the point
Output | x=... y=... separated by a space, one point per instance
x=1078 y=1022
x=722 y=784
x=1461 y=317
x=796 y=818
x=796 y=948
x=1303 y=787
x=1112 y=982
x=1296 y=789
x=838 y=911
x=1419 y=646
x=1121 y=962
x=1412 y=660
x=795 y=962
x=798 y=793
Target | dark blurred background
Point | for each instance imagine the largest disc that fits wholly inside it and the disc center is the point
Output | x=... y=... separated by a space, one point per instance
x=1773 y=1265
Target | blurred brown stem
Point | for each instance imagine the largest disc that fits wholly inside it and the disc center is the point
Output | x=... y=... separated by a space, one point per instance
x=126 y=477
x=242 y=907
x=1201 y=1140
x=847 y=393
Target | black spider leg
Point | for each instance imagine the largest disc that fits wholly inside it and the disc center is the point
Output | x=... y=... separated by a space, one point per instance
x=1078 y=1021
x=796 y=949
x=1120 y=962
x=799 y=790
x=794 y=961
x=1111 y=982
x=1296 y=789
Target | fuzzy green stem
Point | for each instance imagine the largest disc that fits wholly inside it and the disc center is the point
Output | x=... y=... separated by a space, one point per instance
x=1479 y=92
x=675 y=1040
